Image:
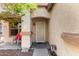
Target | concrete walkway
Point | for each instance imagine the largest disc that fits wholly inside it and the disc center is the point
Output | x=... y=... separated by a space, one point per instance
x=40 y=49
x=5 y=46
x=40 y=52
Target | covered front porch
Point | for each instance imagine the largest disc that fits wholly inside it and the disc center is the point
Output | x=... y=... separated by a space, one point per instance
x=34 y=28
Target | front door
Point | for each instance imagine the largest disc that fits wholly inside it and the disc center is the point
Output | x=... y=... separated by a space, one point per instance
x=40 y=31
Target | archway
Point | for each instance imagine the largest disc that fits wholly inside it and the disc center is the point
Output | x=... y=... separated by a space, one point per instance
x=40 y=32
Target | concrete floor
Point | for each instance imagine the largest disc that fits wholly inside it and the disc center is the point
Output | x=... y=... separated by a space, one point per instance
x=41 y=52
x=9 y=49
x=6 y=46
x=40 y=49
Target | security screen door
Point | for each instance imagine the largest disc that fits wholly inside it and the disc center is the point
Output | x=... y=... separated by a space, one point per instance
x=40 y=31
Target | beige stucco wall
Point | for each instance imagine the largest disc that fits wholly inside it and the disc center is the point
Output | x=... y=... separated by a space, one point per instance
x=64 y=18
x=5 y=30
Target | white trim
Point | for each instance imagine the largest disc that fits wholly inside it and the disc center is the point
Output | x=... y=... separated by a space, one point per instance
x=44 y=30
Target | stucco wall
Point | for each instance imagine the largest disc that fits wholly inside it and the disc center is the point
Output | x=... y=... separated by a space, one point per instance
x=64 y=18
x=5 y=30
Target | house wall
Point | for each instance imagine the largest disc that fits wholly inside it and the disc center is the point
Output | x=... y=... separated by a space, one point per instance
x=5 y=30
x=64 y=18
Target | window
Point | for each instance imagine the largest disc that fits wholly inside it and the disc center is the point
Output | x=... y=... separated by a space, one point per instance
x=13 y=31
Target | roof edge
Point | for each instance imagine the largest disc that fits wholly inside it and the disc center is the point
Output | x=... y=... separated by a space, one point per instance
x=50 y=6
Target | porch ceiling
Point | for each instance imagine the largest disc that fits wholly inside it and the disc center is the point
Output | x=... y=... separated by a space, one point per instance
x=40 y=12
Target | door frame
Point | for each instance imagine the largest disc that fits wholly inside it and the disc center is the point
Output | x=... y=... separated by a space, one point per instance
x=44 y=31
